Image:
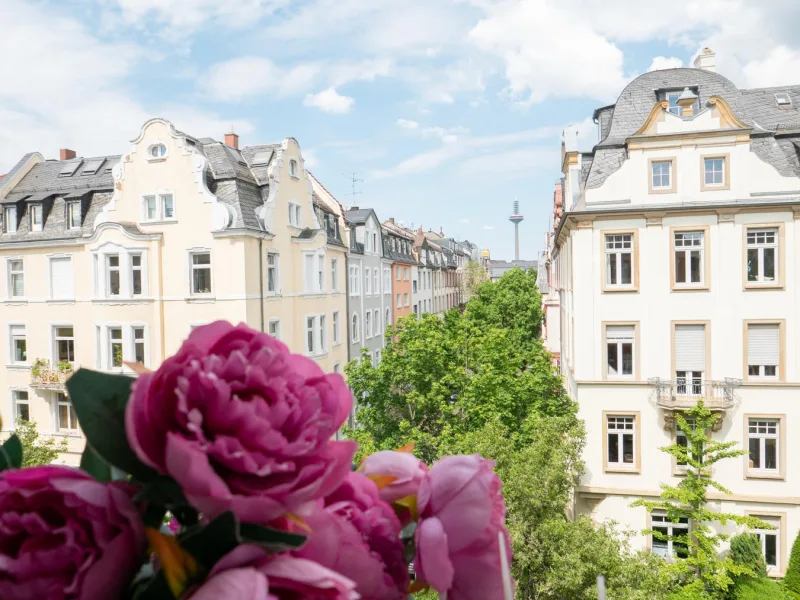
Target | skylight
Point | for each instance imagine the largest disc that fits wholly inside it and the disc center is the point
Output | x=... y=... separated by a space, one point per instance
x=69 y=168
x=261 y=158
x=783 y=99
x=92 y=166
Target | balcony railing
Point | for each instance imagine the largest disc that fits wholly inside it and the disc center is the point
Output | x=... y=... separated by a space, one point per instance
x=684 y=393
x=43 y=376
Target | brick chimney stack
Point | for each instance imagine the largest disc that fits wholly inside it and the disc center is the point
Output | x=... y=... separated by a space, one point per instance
x=66 y=154
x=232 y=140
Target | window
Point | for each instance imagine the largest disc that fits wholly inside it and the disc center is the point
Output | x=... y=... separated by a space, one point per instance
x=387 y=318
x=138 y=345
x=158 y=207
x=661 y=175
x=323 y=338
x=167 y=206
x=293 y=171
x=61 y=278
x=201 y=273
x=73 y=215
x=19 y=344
x=112 y=274
x=136 y=274
x=675 y=108
x=375 y=283
x=368 y=325
x=158 y=151
x=337 y=367
x=619 y=350
x=762 y=255
x=377 y=321
x=374 y=242
x=354 y=279
x=669 y=539
x=334 y=274
x=37 y=220
x=387 y=288
x=64 y=344
x=399 y=301
x=376 y=358
x=22 y=408
x=114 y=347
x=294 y=214
x=272 y=272
x=619 y=259
x=405 y=273
x=682 y=440
x=335 y=319
x=397 y=273
x=414 y=287
x=321 y=272
x=769 y=541
x=274 y=328
x=689 y=257
x=763 y=350
x=150 y=208
x=66 y=419
x=10 y=219
x=16 y=278
x=405 y=300
x=690 y=358
x=621 y=441
x=714 y=172
x=354 y=328
x=763 y=440
x=310 y=323
x=367 y=282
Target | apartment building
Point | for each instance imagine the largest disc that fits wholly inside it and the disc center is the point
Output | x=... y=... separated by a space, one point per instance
x=398 y=245
x=422 y=274
x=677 y=264
x=116 y=258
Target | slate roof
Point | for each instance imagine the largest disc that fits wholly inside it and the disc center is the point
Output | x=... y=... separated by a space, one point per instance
x=498 y=267
x=774 y=127
x=357 y=216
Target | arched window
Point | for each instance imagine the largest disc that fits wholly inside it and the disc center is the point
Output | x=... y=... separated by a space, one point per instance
x=293 y=170
x=355 y=328
x=158 y=151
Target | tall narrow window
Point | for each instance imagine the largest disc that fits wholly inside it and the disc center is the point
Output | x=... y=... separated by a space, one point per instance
x=201 y=273
x=310 y=348
x=619 y=259
x=397 y=273
x=374 y=242
x=367 y=282
x=10 y=219
x=37 y=220
x=619 y=350
x=714 y=172
x=670 y=539
x=621 y=432
x=167 y=206
x=112 y=274
x=661 y=174
x=763 y=439
x=387 y=318
x=762 y=255
x=66 y=417
x=323 y=338
x=272 y=272
x=74 y=215
x=136 y=274
x=763 y=350
x=150 y=208
x=335 y=326
x=16 y=279
x=114 y=347
x=387 y=288
x=65 y=344
x=405 y=300
x=769 y=541
x=19 y=344
x=354 y=328
x=22 y=407
x=367 y=324
x=138 y=345
x=310 y=274
x=377 y=320
x=61 y=278
x=399 y=301
x=274 y=328
x=690 y=358
x=375 y=283
x=682 y=440
x=334 y=274
x=689 y=253
x=293 y=170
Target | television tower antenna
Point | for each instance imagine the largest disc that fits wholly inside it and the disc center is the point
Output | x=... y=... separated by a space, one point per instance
x=516 y=218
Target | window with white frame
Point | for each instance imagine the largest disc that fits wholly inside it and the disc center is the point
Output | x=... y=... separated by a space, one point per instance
x=661 y=174
x=64 y=343
x=405 y=300
x=354 y=281
x=714 y=171
x=690 y=358
x=763 y=440
x=74 y=215
x=354 y=328
x=157 y=151
x=677 y=109
x=272 y=272
x=762 y=255
x=167 y=206
x=669 y=539
x=201 y=273
x=337 y=367
x=376 y=358
x=387 y=286
x=310 y=335
x=149 y=208
x=367 y=324
x=115 y=356
x=295 y=215
x=158 y=207
x=136 y=274
x=619 y=350
x=621 y=432
x=682 y=440
x=61 y=286
x=139 y=348
x=335 y=323
x=10 y=219
x=770 y=548
x=37 y=217
x=376 y=289
x=374 y=242
x=274 y=328
x=397 y=273
x=66 y=419
x=377 y=320
x=293 y=169
x=323 y=333
x=16 y=278
x=619 y=259
x=405 y=273
x=387 y=318
x=334 y=274
x=321 y=272
x=19 y=344
x=112 y=274
x=22 y=407
x=689 y=253
x=763 y=350
x=367 y=281
x=399 y=301
x=414 y=286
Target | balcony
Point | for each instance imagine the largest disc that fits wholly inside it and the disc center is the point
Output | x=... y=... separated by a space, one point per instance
x=45 y=377
x=683 y=393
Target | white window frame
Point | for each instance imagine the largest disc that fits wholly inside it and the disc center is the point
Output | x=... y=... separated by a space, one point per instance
x=294 y=169
x=110 y=343
x=661 y=175
x=367 y=325
x=376 y=319
x=50 y=260
x=311 y=335
x=762 y=535
x=275 y=267
x=771 y=431
x=159 y=207
x=16 y=401
x=17 y=332
x=713 y=159
x=192 y=268
x=367 y=282
x=761 y=248
x=162 y=203
x=354 y=328
x=405 y=273
x=376 y=284
x=762 y=369
x=399 y=301
x=320 y=279
x=397 y=273
x=616 y=245
x=10 y=273
x=143 y=341
x=57 y=404
x=109 y=269
x=160 y=155
x=9 y=223
x=696 y=244
x=387 y=281
x=355 y=280
x=322 y=331
x=34 y=210
x=295 y=215
x=137 y=269
x=336 y=326
x=274 y=324
x=145 y=212
x=334 y=274
x=70 y=207
x=621 y=420
x=673 y=529
x=388 y=318
x=619 y=343
x=57 y=338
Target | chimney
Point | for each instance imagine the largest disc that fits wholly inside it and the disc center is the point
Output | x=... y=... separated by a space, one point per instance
x=419 y=231
x=441 y=231
x=706 y=60
x=66 y=154
x=232 y=140
x=391 y=220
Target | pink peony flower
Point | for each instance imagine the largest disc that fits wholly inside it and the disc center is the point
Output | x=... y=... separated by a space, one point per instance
x=64 y=535
x=358 y=535
x=248 y=573
x=242 y=424
x=406 y=469
x=461 y=512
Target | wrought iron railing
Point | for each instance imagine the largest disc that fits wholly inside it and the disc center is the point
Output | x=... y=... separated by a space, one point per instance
x=44 y=376
x=684 y=392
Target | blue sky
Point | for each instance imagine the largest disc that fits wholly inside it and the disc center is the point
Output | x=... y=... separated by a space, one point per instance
x=447 y=110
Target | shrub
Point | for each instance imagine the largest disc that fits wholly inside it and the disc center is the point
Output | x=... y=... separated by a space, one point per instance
x=792 y=580
x=746 y=550
x=759 y=589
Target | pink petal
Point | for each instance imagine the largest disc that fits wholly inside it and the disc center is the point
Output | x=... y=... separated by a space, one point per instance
x=433 y=562
x=241 y=584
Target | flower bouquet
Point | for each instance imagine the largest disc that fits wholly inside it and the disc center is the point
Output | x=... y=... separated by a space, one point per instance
x=218 y=477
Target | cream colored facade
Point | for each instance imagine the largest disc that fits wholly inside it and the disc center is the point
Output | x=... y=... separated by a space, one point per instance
x=723 y=290
x=196 y=262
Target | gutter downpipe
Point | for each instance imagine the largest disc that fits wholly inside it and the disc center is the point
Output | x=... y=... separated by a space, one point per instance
x=261 y=279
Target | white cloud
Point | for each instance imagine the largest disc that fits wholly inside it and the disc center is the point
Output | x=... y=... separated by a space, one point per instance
x=310 y=159
x=330 y=101
x=489 y=227
x=779 y=67
x=463 y=221
x=580 y=136
x=406 y=124
x=662 y=62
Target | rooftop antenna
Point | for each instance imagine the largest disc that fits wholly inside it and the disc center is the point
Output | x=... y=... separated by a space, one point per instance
x=516 y=219
x=353 y=181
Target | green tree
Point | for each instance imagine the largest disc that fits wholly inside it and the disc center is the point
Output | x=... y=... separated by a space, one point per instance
x=704 y=573
x=792 y=580
x=36 y=451
x=746 y=550
x=474 y=275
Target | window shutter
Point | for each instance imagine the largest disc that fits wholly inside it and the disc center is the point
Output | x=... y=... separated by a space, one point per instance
x=61 y=277
x=309 y=272
x=763 y=344
x=619 y=333
x=690 y=348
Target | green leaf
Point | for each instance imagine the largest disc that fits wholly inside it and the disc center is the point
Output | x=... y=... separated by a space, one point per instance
x=153 y=588
x=100 y=400
x=94 y=465
x=271 y=539
x=164 y=491
x=407 y=532
x=11 y=453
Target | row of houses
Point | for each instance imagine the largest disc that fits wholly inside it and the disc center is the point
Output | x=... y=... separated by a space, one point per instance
x=672 y=276
x=115 y=259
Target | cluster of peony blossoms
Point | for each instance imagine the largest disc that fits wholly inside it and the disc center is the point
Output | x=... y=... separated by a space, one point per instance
x=233 y=442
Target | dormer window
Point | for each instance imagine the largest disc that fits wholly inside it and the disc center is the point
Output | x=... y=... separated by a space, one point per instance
x=73 y=215
x=10 y=219
x=156 y=152
x=672 y=97
x=293 y=170
x=783 y=99
x=37 y=220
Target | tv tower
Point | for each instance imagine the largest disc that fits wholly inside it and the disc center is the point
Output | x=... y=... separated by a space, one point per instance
x=516 y=219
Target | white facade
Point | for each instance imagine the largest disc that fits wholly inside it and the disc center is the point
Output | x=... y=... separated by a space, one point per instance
x=658 y=305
